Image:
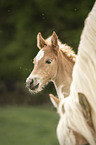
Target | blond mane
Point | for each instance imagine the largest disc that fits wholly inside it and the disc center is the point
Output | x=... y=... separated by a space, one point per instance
x=67 y=50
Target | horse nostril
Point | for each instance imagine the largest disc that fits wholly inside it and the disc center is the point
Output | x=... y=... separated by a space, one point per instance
x=34 y=84
x=31 y=83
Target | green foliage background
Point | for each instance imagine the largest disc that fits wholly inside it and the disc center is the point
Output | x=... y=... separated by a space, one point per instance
x=20 y=21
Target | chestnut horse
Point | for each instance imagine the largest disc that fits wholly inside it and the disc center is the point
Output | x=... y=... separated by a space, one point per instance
x=54 y=62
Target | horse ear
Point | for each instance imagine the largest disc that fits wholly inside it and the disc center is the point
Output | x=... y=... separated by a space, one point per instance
x=55 y=101
x=40 y=41
x=54 y=41
x=84 y=105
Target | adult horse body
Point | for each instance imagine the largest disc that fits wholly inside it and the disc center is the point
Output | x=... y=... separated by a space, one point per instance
x=83 y=83
x=74 y=116
x=54 y=62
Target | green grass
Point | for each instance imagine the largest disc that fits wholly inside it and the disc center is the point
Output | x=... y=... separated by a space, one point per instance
x=28 y=126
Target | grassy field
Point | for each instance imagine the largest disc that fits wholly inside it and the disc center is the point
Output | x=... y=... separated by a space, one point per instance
x=28 y=126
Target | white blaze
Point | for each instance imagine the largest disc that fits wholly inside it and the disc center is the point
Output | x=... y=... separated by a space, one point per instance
x=39 y=55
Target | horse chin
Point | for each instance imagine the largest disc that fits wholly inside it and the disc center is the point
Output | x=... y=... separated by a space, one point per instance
x=35 y=90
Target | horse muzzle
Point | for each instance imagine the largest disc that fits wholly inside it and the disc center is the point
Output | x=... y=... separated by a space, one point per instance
x=32 y=84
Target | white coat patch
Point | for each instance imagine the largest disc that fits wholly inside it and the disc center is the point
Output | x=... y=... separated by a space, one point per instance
x=39 y=55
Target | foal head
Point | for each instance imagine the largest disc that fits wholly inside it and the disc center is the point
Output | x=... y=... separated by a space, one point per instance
x=45 y=63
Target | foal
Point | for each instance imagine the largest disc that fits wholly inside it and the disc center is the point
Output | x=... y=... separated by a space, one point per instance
x=54 y=62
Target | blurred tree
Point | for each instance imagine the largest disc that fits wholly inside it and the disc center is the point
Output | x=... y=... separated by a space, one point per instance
x=20 y=21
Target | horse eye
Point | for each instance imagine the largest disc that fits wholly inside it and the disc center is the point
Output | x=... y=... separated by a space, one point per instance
x=48 y=61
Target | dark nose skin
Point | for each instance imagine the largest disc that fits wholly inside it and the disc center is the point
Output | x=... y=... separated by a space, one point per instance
x=31 y=84
x=34 y=84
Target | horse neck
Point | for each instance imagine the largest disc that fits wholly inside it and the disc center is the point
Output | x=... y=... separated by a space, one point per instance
x=63 y=78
